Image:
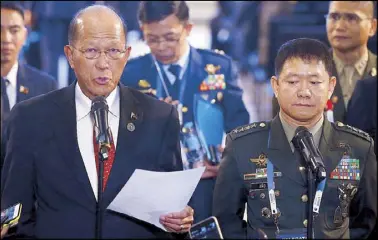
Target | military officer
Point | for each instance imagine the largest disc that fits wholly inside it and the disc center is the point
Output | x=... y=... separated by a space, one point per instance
x=192 y=79
x=350 y=24
x=260 y=158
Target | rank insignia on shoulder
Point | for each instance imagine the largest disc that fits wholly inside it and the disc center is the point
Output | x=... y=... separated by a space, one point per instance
x=347 y=169
x=219 y=51
x=261 y=161
x=144 y=83
x=244 y=130
x=353 y=130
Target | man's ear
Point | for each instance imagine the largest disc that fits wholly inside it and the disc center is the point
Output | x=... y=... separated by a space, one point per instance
x=274 y=84
x=69 y=55
x=331 y=86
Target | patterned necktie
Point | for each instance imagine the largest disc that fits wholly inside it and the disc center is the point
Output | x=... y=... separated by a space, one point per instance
x=4 y=97
x=107 y=163
x=175 y=69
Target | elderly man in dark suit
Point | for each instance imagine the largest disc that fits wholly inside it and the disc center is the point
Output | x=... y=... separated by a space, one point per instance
x=50 y=164
x=19 y=80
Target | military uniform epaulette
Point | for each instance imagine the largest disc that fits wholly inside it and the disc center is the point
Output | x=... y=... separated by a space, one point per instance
x=247 y=129
x=215 y=52
x=355 y=131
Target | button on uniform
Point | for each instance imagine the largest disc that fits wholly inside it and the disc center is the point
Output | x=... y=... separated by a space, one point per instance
x=304 y=198
x=305 y=223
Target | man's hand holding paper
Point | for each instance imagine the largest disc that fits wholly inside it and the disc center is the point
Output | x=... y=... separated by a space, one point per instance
x=159 y=198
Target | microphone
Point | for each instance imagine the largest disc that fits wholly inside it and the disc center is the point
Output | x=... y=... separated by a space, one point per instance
x=304 y=143
x=99 y=111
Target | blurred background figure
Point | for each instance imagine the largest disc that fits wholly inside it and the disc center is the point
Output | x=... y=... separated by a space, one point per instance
x=19 y=81
x=362 y=107
x=349 y=26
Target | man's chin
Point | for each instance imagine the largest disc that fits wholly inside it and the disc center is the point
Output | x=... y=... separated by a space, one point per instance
x=166 y=60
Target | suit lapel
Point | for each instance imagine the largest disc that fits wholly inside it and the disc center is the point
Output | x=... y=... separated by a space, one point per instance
x=65 y=131
x=23 y=85
x=125 y=163
x=280 y=153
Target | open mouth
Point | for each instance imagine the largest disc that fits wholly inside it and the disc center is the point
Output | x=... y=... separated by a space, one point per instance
x=102 y=80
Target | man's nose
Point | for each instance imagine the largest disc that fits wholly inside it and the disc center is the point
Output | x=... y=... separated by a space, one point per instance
x=304 y=91
x=102 y=61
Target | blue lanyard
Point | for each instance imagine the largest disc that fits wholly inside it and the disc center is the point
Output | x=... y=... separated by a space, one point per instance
x=272 y=197
x=318 y=197
x=162 y=83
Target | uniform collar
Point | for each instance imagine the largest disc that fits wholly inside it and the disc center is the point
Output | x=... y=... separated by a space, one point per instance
x=182 y=62
x=359 y=66
x=290 y=129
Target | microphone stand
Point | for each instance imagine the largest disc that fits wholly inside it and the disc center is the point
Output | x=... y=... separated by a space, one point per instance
x=102 y=156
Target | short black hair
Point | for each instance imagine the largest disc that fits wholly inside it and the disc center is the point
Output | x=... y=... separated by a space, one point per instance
x=306 y=49
x=13 y=6
x=72 y=28
x=154 y=11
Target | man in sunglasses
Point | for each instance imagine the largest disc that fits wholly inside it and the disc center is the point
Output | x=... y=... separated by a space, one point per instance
x=200 y=83
x=349 y=26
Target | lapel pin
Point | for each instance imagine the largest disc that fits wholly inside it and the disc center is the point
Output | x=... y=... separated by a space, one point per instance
x=131 y=127
x=24 y=90
x=334 y=99
x=133 y=116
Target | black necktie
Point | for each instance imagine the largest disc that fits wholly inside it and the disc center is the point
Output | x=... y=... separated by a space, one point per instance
x=5 y=108
x=175 y=69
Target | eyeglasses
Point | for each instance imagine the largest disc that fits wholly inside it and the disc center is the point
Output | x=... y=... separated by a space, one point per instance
x=170 y=41
x=93 y=53
x=351 y=18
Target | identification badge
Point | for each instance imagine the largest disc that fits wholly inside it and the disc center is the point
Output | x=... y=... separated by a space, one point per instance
x=296 y=233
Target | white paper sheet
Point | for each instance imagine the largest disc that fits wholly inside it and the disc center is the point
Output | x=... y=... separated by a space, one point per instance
x=148 y=194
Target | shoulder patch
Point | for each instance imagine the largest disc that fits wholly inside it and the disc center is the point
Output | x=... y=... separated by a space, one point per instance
x=355 y=131
x=221 y=52
x=247 y=129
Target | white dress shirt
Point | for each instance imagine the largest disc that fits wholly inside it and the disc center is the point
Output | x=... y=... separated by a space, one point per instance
x=12 y=85
x=84 y=124
x=183 y=62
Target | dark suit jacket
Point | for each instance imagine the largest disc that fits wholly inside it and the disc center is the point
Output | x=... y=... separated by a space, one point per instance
x=339 y=110
x=44 y=165
x=34 y=82
x=233 y=189
x=234 y=111
x=362 y=107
